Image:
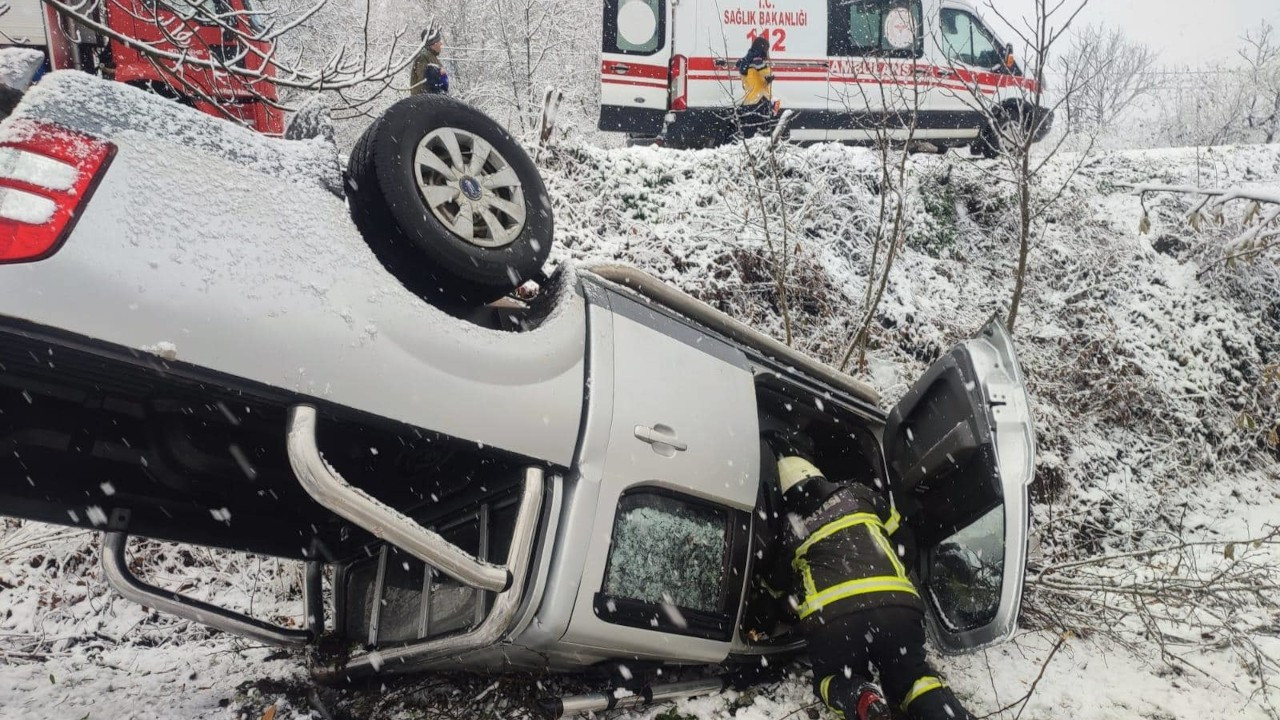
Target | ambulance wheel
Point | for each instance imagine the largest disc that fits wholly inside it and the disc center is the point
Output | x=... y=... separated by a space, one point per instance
x=988 y=143
x=999 y=126
x=449 y=201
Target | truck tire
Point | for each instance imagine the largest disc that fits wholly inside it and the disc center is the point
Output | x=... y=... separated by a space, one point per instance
x=449 y=201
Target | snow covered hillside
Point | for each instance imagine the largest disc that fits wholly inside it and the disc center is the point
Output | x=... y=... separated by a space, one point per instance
x=1146 y=358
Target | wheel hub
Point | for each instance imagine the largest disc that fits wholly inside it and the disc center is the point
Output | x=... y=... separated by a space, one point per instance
x=470 y=187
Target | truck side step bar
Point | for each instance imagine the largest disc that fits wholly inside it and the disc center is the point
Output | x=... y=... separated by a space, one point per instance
x=116 y=569
x=328 y=488
x=648 y=695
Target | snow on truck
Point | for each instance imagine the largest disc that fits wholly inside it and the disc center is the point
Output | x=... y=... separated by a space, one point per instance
x=247 y=359
x=167 y=28
x=851 y=70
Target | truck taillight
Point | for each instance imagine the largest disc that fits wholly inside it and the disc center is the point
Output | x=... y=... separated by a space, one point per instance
x=47 y=174
x=679 y=82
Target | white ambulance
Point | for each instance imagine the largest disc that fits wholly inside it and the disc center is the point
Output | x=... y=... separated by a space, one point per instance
x=929 y=71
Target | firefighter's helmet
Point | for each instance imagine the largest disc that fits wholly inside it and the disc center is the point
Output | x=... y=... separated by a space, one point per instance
x=793 y=470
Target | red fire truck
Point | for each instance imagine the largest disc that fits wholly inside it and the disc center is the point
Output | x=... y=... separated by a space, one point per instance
x=164 y=46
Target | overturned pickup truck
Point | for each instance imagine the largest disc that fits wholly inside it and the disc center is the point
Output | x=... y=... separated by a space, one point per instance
x=198 y=343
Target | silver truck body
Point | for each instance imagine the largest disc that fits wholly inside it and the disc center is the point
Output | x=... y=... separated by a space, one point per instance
x=476 y=482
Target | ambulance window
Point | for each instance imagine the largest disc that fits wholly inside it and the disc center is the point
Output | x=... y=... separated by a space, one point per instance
x=967 y=41
x=882 y=28
x=634 y=27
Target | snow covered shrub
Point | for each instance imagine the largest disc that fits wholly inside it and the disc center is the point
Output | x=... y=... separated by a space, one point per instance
x=938 y=230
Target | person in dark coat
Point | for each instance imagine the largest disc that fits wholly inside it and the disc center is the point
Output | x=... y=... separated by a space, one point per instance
x=857 y=608
x=428 y=75
x=756 y=111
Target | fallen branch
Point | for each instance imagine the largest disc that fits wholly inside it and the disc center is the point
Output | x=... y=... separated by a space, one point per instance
x=1261 y=228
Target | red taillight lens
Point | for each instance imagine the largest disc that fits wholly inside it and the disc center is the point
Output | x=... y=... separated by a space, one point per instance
x=679 y=82
x=46 y=176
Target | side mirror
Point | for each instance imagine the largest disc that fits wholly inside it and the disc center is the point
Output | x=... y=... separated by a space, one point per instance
x=1010 y=60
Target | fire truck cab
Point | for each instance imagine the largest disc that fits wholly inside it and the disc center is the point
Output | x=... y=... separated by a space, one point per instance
x=926 y=71
x=168 y=26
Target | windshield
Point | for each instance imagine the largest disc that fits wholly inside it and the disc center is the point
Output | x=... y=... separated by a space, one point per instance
x=198 y=10
x=966 y=573
x=252 y=15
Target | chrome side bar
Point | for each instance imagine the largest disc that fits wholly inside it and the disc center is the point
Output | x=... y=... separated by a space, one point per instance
x=501 y=615
x=116 y=569
x=333 y=492
x=649 y=695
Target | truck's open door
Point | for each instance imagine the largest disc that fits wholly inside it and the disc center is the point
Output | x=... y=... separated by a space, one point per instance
x=961 y=451
x=635 y=55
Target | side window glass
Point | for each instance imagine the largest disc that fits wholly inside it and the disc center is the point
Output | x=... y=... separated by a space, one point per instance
x=967 y=41
x=966 y=572
x=880 y=28
x=634 y=27
x=670 y=566
x=663 y=546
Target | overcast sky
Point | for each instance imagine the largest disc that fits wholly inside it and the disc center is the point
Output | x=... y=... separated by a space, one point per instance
x=1190 y=32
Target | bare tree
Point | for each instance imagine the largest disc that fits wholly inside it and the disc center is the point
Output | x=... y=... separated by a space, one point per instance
x=1118 y=72
x=1013 y=126
x=893 y=112
x=247 y=56
x=1261 y=53
x=500 y=55
x=1208 y=108
x=1220 y=104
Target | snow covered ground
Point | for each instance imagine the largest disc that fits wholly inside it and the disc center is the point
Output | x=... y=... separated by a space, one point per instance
x=1145 y=357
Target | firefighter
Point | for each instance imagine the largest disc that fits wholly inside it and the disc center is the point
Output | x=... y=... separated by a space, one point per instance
x=857 y=608
x=428 y=75
x=756 y=111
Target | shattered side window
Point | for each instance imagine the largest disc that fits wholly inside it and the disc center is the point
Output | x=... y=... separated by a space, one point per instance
x=667 y=551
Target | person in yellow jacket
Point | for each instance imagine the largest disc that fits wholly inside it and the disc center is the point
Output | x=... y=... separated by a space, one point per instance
x=756 y=111
x=856 y=605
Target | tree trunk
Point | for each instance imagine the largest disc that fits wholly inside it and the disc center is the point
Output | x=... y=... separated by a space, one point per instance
x=1024 y=236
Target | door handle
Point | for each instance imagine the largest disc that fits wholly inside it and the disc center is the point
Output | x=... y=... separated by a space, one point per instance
x=661 y=437
x=946 y=72
x=621 y=69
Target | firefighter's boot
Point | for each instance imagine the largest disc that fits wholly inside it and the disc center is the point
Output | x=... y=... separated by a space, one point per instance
x=871 y=704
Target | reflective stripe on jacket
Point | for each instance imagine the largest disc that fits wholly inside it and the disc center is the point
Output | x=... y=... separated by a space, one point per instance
x=841 y=558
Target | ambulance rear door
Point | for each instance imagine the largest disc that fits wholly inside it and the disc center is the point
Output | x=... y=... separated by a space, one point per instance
x=634 y=68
